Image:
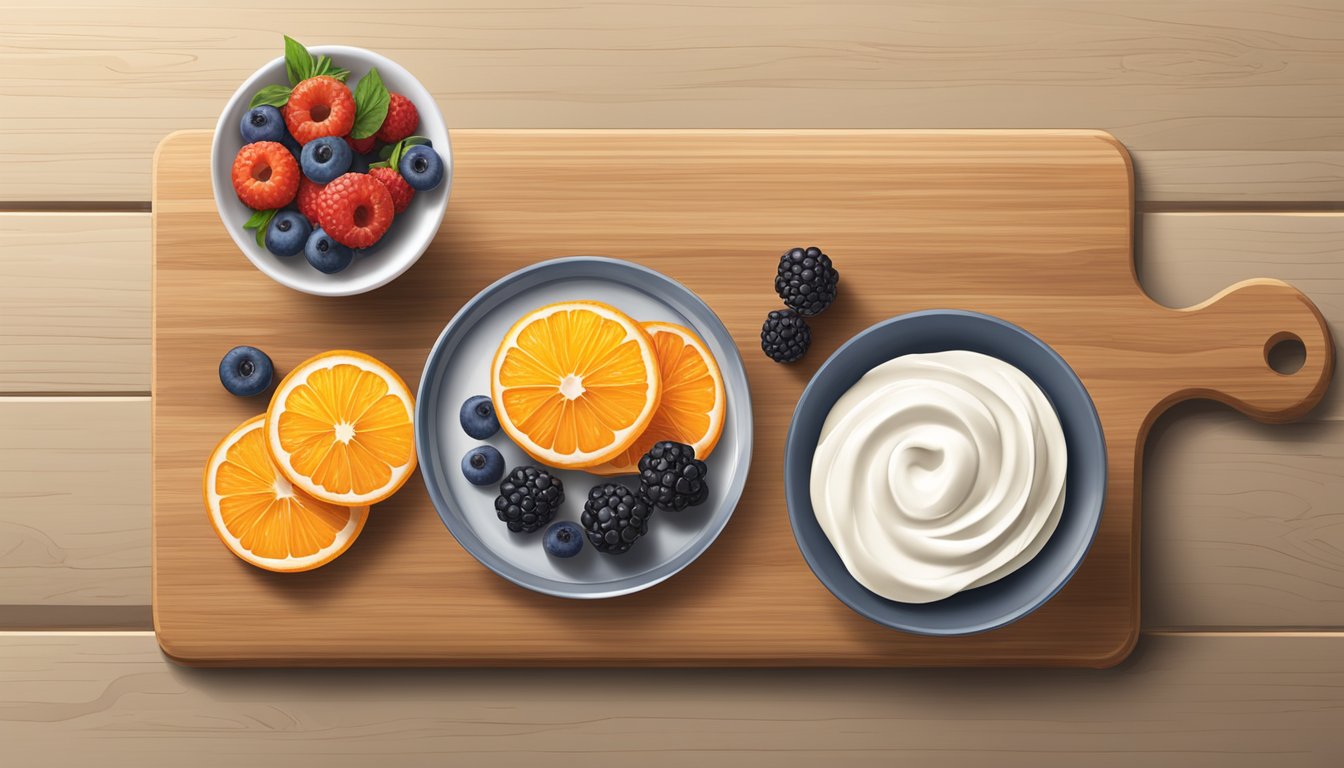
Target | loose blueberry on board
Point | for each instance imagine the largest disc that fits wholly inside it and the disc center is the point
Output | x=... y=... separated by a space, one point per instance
x=483 y=465
x=326 y=255
x=324 y=159
x=288 y=233
x=421 y=167
x=478 y=417
x=246 y=371
x=563 y=539
x=263 y=123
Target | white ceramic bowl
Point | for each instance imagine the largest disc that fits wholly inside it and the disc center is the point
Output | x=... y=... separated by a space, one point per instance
x=413 y=229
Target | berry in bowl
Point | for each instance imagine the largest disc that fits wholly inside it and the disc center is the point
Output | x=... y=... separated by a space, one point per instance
x=331 y=168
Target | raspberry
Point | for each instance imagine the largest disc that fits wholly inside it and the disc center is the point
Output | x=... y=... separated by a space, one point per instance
x=307 y=199
x=401 y=191
x=362 y=146
x=265 y=175
x=319 y=106
x=356 y=210
x=401 y=120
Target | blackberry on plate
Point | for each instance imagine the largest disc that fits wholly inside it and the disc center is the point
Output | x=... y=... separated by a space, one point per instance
x=528 y=499
x=806 y=281
x=671 y=478
x=615 y=517
x=785 y=336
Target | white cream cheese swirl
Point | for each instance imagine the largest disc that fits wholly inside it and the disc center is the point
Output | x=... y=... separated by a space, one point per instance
x=936 y=473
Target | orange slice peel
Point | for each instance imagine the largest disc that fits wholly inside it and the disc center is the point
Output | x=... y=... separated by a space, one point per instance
x=694 y=403
x=262 y=518
x=340 y=427
x=575 y=383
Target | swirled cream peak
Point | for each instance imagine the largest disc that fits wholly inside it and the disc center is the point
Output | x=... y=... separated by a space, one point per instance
x=936 y=473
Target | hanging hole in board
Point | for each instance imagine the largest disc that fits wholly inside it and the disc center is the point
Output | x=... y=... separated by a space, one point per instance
x=1285 y=353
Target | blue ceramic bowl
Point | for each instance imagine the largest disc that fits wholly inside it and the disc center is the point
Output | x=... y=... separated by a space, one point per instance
x=1026 y=589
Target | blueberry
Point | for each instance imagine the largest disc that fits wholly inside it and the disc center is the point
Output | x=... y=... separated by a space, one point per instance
x=421 y=167
x=263 y=123
x=246 y=371
x=478 y=417
x=563 y=539
x=326 y=158
x=288 y=233
x=483 y=465
x=325 y=254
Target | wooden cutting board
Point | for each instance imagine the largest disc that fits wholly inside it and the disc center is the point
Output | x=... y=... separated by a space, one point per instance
x=1035 y=227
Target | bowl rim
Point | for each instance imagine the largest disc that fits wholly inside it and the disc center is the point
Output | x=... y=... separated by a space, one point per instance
x=798 y=507
x=425 y=446
x=335 y=287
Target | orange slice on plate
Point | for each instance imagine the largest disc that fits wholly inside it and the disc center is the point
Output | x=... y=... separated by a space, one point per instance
x=575 y=383
x=341 y=428
x=694 y=401
x=263 y=519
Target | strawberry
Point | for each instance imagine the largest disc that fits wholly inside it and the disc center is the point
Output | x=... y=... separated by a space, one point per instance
x=265 y=175
x=362 y=146
x=319 y=106
x=307 y=199
x=355 y=210
x=401 y=191
x=401 y=121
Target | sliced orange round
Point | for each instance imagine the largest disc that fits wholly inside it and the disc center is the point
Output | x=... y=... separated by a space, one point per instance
x=341 y=428
x=694 y=401
x=575 y=383
x=263 y=519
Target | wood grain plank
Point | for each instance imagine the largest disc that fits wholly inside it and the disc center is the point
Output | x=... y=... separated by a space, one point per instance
x=1224 y=700
x=1241 y=521
x=1239 y=177
x=74 y=522
x=90 y=89
x=74 y=302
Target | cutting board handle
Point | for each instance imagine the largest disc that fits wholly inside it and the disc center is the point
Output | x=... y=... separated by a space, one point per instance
x=1220 y=350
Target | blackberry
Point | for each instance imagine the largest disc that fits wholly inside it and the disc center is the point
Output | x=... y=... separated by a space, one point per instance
x=785 y=336
x=806 y=280
x=671 y=478
x=528 y=499
x=615 y=518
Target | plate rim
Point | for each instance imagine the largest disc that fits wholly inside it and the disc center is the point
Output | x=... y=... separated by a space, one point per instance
x=482 y=552
x=806 y=547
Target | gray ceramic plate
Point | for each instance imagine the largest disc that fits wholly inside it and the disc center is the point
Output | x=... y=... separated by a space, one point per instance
x=1024 y=590
x=458 y=367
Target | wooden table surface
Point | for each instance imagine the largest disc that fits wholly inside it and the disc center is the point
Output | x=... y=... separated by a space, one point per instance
x=1234 y=113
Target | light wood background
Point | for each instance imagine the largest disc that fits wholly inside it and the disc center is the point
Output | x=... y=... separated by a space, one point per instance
x=1234 y=111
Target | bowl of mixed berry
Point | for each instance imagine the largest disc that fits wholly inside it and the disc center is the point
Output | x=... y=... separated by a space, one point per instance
x=331 y=168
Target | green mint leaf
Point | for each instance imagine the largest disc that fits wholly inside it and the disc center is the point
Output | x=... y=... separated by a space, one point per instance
x=386 y=151
x=261 y=221
x=298 y=62
x=383 y=164
x=371 y=100
x=271 y=95
x=325 y=66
